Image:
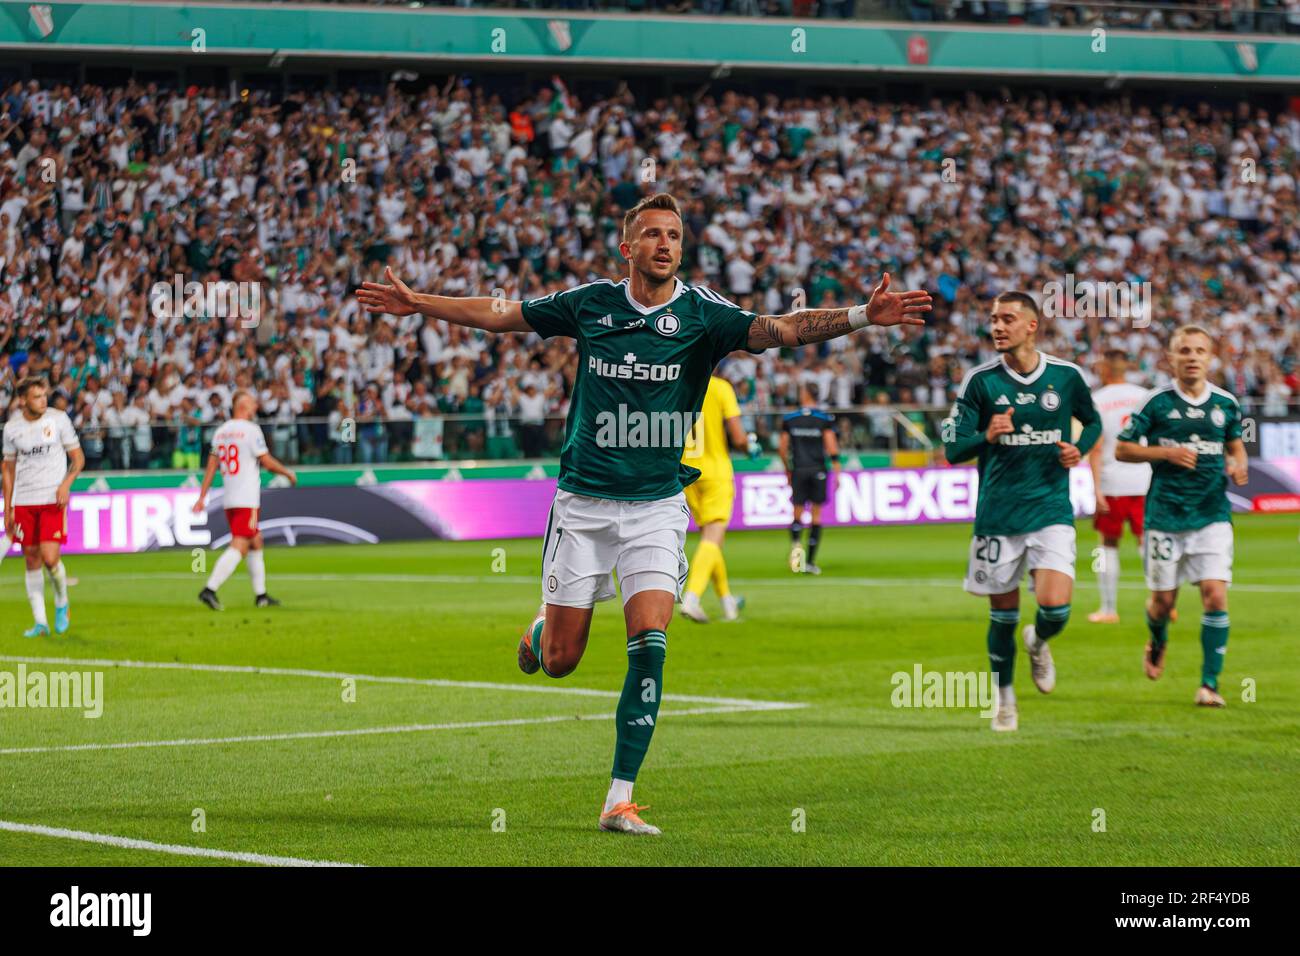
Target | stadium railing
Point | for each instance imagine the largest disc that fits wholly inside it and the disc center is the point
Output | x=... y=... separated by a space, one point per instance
x=459 y=436
x=881 y=429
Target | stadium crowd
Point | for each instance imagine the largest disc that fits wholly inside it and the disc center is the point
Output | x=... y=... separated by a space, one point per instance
x=787 y=202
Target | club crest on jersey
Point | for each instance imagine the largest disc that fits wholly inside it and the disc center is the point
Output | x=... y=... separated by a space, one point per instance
x=1218 y=417
x=667 y=324
x=1051 y=401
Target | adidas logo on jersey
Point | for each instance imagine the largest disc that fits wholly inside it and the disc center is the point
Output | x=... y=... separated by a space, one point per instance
x=607 y=321
x=1002 y=400
x=1173 y=413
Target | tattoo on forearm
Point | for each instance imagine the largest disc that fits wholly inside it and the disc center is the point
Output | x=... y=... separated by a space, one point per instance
x=799 y=328
x=765 y=332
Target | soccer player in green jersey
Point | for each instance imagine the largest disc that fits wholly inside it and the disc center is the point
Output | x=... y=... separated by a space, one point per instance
x=1192 y=430
x=646 y=348
x=1014 y=415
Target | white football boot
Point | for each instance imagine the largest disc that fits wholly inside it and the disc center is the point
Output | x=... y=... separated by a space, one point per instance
x=692 y=609
x=1041 y=667
x=623 y=818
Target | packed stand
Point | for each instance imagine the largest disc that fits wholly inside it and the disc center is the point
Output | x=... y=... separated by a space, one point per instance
x=787 y=203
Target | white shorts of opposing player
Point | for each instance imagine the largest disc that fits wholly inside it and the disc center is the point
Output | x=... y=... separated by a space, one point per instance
x=999 y=562
x=590 y=540
x=1173 y=558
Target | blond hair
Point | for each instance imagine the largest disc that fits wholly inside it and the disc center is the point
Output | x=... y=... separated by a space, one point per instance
x=1185 y=330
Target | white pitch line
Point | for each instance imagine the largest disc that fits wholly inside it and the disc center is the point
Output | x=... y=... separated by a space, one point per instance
x=799 y=582
x=301 y=735
x=382 y=679
x=127 y=843
x=367 y=731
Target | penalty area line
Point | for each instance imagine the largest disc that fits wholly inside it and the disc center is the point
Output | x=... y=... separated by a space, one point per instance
x=370 y=731
x=76 y=662
x=128 y=843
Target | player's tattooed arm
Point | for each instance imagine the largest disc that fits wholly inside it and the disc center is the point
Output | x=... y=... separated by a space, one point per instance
x=808 y=326
x=798 y=328
x=489 y=313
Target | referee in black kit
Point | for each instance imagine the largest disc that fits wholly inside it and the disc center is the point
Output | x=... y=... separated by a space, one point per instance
x=807 y=443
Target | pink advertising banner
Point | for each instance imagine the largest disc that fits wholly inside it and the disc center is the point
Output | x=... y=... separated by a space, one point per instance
x=143 y=520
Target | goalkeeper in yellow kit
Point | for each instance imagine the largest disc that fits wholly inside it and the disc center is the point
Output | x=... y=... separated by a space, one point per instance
x=711 y=496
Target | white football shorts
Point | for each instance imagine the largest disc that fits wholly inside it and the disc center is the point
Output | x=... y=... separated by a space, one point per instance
x=1171 y=558
x=590 y=540
x=998 y=562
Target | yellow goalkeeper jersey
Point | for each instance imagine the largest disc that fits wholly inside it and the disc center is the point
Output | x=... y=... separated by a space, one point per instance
x=707 y=448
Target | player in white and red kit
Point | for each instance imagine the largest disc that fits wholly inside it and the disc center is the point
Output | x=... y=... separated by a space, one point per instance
x=1121 y=486
x=239 y=450
x=42 y=457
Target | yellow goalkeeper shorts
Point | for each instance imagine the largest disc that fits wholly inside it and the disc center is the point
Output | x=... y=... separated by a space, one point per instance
x=711 y=501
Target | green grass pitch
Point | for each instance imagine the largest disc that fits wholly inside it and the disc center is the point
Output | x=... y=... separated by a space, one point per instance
x=726 y=781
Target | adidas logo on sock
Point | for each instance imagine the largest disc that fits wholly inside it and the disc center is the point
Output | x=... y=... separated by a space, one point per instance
x=646 y=721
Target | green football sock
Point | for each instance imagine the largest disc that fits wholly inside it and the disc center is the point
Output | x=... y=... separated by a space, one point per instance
x=1002 y=644
x=535 y=642
x=1214 y=644
x=1050 y=620
x=638 y=705
x=1159 y=629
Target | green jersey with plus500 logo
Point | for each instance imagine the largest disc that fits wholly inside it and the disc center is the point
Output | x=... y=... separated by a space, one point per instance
x=642 y=375
x=1022 y=485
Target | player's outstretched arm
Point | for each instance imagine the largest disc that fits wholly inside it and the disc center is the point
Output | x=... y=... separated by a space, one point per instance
x=808 y=326
x=476 y=312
